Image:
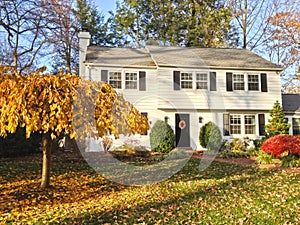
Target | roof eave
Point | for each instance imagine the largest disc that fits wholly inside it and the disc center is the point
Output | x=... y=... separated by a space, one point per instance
x=119 y=66
x=222 y=68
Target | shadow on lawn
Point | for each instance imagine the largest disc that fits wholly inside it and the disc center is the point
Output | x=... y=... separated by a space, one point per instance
x=78 y=183
x=167 y=207
x=20 y=185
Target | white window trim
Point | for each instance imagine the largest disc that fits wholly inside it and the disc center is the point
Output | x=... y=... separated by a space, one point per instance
x=194 y=80
x=181 y=80
x=137 y=80
x=292 y=124
x=243 y=130
x=247 y=82
x=115 y=71
x=123 y=79
x=244 y=81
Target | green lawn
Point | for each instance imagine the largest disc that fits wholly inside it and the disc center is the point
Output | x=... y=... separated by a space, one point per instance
x=222 y=194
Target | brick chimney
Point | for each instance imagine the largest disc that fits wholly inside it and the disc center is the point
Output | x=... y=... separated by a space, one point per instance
x=84 y=41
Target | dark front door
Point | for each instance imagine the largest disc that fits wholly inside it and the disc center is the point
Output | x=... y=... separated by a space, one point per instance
x=182 y=131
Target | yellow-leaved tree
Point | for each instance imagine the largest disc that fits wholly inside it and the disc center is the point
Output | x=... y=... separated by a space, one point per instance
x=52 y=104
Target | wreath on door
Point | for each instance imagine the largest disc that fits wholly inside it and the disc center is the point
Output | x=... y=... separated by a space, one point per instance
x=182 y=124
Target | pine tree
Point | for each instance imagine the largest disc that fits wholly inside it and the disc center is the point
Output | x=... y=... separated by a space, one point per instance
x=277 y=123
x=174 y=22
x=89 y=18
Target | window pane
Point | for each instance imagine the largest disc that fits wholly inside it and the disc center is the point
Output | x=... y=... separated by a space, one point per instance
x=201 y=85
x=201 y=76
x=238 y=82
x=296 y=126
x=253 y=84
x=249 y=124
x=131 y=80
x=186 y=76
x=235 y=124
x=187 y=84
x=115 y=79
x=186 y=80
x=201 y=81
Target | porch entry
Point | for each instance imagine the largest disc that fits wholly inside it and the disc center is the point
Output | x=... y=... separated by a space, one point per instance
x=182 y=130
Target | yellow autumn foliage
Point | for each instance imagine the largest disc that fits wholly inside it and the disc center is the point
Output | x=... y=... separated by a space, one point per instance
x=64 y=103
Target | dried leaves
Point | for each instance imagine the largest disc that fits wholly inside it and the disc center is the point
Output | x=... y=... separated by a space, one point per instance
x=222 y=194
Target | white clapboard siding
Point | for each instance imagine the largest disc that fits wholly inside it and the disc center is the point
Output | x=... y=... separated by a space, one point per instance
x=220 y=99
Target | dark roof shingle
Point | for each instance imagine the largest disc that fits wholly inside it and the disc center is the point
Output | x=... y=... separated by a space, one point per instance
x=290 y=102
x=151 y=56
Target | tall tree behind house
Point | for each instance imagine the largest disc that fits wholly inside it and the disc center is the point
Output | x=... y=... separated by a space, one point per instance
x=175 y=22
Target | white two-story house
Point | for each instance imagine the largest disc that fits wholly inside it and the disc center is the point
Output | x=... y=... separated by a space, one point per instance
x=188 y=87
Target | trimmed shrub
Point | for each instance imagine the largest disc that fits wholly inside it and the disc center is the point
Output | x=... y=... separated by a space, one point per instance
x=280 y=144
x=210 y=137
x=162 y=137
x=16 y=144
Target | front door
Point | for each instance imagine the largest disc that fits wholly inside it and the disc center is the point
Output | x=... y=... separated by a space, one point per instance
x=182 y=130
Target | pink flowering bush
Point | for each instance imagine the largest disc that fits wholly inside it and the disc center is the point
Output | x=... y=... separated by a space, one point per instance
x=280 y=144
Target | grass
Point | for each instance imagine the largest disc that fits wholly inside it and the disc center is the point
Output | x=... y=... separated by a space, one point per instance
x=222 y=194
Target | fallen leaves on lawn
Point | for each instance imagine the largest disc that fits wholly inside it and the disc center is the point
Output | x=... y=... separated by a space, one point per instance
x=224 y=193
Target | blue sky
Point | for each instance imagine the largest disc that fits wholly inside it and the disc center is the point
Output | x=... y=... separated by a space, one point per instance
x=105 y=5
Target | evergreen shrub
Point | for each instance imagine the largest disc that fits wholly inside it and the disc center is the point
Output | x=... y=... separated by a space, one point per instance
x=278 y=124
x=162 y=137
x=210 y=136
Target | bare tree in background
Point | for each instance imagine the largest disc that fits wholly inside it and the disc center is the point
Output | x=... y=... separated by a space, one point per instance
x=63 y=34
x=5 y=52
x=283 y=43
x=251 y=18
x=283 y=34
x=25 y=26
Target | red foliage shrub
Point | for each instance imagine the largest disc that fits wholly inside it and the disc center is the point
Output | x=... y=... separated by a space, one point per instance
x=279 y=144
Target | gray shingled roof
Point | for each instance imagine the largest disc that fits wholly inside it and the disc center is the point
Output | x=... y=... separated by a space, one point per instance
x=121 y=57
x=219 y=58
x=210 y=57
x=290 y=102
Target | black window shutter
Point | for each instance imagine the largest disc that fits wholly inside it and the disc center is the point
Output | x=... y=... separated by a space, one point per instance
x=261 y=121
x=176 y=80
x=226 y=124
x=264 y=82
x=104 y=76
x=142 y=81
x=229 y=81
x=213 y=82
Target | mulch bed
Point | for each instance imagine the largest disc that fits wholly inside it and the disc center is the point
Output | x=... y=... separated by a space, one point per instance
x=251 y=162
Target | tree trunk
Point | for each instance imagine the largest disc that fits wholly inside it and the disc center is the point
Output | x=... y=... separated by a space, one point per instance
x=46 y=147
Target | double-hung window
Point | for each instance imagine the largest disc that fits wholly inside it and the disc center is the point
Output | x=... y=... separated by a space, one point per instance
x=131 y=80
x=202 y=81
x=238 y=82
x=115 y=79
x=249 y=121
x=242 y=124
x=186 y=80
x=296 y=126
x=246 y=82
x=235 y=124
x=253 y=82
